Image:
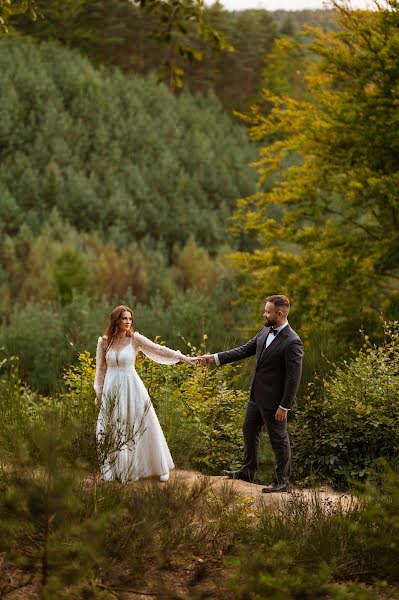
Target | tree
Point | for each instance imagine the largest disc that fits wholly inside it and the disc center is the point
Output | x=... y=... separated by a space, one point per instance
x=333 y=161
x=95 y=25
x=10 y=8
x=108 y=152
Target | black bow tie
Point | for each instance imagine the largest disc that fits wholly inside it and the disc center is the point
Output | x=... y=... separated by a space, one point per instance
x=273 y=331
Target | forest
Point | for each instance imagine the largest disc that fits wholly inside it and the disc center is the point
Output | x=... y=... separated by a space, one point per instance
x=188 y=162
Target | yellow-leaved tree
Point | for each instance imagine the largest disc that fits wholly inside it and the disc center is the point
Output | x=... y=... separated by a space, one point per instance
x=326 y=217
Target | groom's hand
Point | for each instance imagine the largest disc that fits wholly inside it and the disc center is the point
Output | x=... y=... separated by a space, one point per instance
x=206 y=359
x=281 y=414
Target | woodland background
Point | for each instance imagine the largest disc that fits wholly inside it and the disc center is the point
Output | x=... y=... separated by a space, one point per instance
x=188 y=161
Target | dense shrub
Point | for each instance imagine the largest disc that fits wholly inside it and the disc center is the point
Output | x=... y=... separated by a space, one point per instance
x=350 y=419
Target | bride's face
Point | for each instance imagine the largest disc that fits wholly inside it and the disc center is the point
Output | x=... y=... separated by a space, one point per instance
x=125 y=322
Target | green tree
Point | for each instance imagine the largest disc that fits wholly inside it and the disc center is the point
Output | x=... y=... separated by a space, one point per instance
x=235 y=77
x=102 y=151
x=70 y=274
x=332 y=158
x=285 y=67
x=93 y=25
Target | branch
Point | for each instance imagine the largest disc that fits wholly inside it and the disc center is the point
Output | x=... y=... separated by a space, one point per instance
x=353 y=222
x=136 y=592
x=17 y=587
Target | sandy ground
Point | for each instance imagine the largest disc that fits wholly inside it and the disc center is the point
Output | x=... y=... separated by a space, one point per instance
x=322 y=494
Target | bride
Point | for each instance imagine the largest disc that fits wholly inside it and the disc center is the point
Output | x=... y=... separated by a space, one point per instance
x=131 y=443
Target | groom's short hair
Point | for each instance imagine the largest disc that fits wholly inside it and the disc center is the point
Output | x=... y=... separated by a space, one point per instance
x=279 y=300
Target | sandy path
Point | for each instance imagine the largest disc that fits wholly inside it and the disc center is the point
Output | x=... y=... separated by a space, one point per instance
x=325 y=495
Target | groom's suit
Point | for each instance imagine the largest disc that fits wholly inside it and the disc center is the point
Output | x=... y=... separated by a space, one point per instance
x=274 y=383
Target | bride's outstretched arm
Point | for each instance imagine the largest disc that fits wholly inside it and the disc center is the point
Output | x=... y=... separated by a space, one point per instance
x=158 y=353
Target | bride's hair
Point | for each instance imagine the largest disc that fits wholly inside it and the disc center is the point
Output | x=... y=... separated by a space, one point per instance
x=114 y=319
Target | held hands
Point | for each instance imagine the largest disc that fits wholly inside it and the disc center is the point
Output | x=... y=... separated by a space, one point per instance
x=191 y=360
x=205 y=359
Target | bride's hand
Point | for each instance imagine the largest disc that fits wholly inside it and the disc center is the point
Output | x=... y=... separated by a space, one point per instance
x=192 y=360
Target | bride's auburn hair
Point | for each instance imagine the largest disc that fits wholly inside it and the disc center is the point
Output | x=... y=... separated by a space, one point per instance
x=114 y=320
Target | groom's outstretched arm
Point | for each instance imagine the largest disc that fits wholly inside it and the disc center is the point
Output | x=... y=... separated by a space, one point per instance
x=245 y=351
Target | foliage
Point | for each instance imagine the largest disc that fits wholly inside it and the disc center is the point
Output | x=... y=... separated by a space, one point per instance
x=216 y=410
x=348 y=420
x=100 y=151
x=163 y=37
x=76 y=405
x=235 y=77
x=75 y=536
x=176 y=25
x=38 y=511
x=49 y=336
x=316 y=547
x=285 y=67
x=10 y=8
x=274 y=575
x=70 y=274
x=376 y=530
x=332 y=159
x=205 y=400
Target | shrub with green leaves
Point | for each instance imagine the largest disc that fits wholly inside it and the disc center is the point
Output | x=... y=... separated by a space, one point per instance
x=276 y=575
x=351 y=419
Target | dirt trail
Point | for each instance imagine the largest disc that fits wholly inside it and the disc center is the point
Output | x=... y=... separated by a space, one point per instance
x=324 y=494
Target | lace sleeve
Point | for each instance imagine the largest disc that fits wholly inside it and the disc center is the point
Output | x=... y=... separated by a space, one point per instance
x=101 y=365
x=160 y=354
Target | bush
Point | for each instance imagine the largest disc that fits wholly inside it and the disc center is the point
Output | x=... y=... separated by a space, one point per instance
x=349 y=420
x=376 y=531
x=276 y=575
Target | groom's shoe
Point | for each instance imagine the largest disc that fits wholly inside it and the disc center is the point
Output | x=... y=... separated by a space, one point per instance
x=243 y=475
x=274 y=488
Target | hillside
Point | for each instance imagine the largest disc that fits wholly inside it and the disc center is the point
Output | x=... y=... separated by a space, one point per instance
x=112 y=153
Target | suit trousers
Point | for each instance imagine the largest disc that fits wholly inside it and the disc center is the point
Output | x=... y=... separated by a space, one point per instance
x=255 y=418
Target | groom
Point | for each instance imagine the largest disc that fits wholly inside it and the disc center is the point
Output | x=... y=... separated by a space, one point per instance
x=274 y=383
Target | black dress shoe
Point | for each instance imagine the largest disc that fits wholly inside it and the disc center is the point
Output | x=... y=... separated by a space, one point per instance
x=274 y=488
x=244 y=476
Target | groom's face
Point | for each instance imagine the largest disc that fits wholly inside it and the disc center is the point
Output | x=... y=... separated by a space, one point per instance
x=271 y=314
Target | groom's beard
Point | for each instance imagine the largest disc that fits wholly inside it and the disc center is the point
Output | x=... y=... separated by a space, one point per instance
x=270 y=323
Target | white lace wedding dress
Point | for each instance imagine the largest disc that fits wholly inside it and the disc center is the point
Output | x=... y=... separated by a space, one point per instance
x=131 y=444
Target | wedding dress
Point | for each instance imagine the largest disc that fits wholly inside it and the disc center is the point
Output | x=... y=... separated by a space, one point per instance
x=131 y=444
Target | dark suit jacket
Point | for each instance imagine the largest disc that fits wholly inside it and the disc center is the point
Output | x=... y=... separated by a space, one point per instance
x=278 y=368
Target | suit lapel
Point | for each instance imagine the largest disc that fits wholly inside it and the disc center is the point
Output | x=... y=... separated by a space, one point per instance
x=275 y=344
x=261 y=343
